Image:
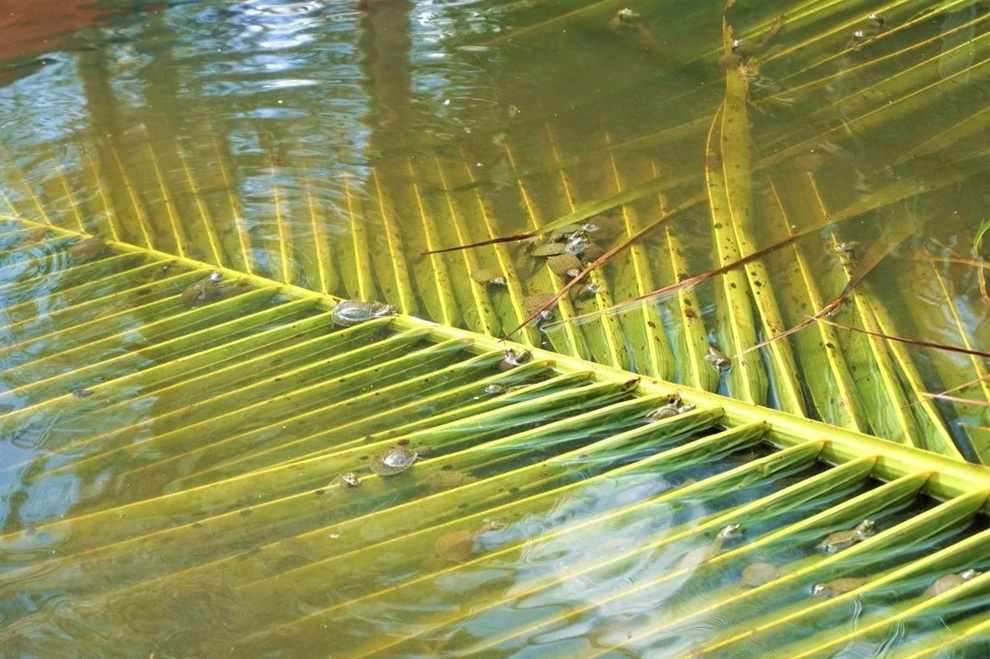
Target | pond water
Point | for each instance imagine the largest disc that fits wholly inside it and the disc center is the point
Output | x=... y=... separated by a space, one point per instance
x=328 y=146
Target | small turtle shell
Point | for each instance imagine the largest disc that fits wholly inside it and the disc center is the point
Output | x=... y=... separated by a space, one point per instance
x=394 y=461
x=578 y=244
x=549 y=249
x=525 y=265
x=843 y=539
x=163 y=271
x=717 y=359
x=664 y=412
x=836 y=541
x=837 y=586
x=457 y=546
x=949 y=581
x=759 y=573
x=353 y=312
x=563 y=233
x=592 y=253
x=514 y=358
x=584 y=292
x=564 y=264
x=534 y=301
x=348 y=479
x=203 y=291
x=488 y=277
x=438 y=481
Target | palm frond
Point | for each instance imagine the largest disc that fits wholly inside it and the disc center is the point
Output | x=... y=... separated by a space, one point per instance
x=261 y=402
x=170 y=463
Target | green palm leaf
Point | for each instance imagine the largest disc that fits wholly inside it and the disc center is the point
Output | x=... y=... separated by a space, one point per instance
x=238 y=477
x=193 y=458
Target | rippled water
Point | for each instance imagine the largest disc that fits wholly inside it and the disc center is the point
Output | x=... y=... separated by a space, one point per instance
x=326 y=146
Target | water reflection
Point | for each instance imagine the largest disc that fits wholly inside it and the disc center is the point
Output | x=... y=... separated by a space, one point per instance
x=326 y=146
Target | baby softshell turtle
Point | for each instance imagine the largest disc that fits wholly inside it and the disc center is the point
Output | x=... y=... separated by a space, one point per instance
x=448 y=479
x=717 y=359
x=497 y=389
x=842 y=539
x=565 y=265
x=947 y=582
x=394 y=461
x=845 y=247
x=514 y=358
x=347 y=479
x=700 y=555
x=458 y=546
x=568 y=232
x=673 y=408
x=578 y=293
x=352 y=312
x=162 y=272
x=87 y=249
x=534 y=301
x=525 y=265
x=624 y=17
x=487 y=277
x=837 y=586
x=203 y=291
x=664 y=412
x=577 y=244
x=548 y=249
x=563 y=233
x=592 y=253
x=759 y=573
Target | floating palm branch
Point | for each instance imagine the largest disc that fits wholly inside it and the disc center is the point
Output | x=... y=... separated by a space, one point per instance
x=769 y=176
x=743 y=277
x=243 y=457
x=183 y=449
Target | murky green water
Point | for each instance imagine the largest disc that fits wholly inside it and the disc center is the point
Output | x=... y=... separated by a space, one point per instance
x=329 y=147
x=321 y=146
